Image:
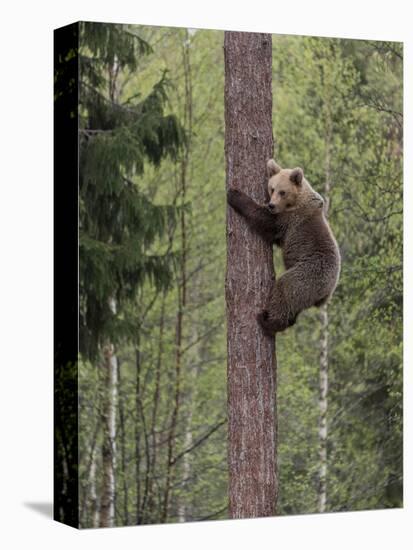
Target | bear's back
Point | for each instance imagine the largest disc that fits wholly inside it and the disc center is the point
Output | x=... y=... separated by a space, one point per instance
x=310 y=240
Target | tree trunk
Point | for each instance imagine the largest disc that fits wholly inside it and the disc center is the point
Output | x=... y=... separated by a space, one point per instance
x=324 y=334
x=193 y=361
x=252 y=426
x=138 y=434
x=123 y=459
x=107 y=507
x=93 y=496
x=178 y=375
x=182 y=277
x=150 y=510
x=186 y=468
x=110 y=386
x=323 y=389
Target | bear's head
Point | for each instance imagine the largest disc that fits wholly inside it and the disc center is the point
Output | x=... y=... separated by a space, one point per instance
x=288 y=189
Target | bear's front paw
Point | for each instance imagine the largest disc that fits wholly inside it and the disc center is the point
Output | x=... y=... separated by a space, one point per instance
x=234 y=196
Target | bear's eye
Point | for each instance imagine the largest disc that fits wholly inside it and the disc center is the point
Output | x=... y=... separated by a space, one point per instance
x=281 y=193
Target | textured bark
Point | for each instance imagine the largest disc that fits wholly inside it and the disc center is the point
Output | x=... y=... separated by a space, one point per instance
x=250 y=274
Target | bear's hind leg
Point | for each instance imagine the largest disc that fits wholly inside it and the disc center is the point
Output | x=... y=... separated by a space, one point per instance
x=276 y=317
x=267 y=325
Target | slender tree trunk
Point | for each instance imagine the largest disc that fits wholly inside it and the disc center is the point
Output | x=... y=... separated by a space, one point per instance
x=149 y=510
x=252 y=426
x=142 y=446
x=323 y=389
x=122 y=429
x=324 y=336
x=182 y=285
x=94 y=508
x=186 y=467
x=178 y=367
x=107 y=501
x=193 y=361
x=138 y=435
x=89 y=508
x=146 y=451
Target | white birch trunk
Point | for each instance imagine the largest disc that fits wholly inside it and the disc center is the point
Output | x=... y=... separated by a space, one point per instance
x=324 y=337
x=107 y=508
x=323 y=389
x=110 y=383
x=187 y=461
x=93 y=495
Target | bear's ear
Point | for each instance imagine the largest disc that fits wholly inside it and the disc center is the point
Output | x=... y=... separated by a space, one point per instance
x=272 y=168
x=296 y=176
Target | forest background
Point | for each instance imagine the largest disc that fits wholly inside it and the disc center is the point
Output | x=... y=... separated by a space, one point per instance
x=152 y=234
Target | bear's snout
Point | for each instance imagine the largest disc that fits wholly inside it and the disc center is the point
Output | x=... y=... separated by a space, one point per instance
x=275 y=209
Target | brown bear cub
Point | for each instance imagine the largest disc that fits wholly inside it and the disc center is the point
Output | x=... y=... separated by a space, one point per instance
x=294 y=220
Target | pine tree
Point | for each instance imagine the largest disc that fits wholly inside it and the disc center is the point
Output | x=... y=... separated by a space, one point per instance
x=118 y=223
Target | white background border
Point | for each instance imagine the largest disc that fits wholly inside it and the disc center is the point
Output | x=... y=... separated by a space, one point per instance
x=26 y=270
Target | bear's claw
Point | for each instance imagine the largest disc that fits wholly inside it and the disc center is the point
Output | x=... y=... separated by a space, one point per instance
x=233 y=194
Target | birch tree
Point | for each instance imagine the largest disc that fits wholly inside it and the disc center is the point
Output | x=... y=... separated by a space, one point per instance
x=324 y=342
x=107 y=501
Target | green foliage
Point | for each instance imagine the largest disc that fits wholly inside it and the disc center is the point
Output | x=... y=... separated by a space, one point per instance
x=340 y=97
x=119 y=227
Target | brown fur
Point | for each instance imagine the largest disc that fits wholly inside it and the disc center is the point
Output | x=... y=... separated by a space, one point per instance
x=294 y=220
